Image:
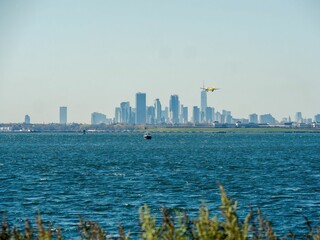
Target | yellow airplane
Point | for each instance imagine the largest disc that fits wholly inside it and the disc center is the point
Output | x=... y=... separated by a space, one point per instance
x=210 y=89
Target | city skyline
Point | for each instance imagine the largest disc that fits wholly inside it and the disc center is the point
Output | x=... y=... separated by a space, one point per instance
x=175 y=112
x=90 y=56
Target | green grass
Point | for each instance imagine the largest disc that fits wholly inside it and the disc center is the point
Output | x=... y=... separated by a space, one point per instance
x=173 y=225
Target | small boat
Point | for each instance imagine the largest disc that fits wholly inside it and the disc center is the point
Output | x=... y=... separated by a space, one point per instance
x=147 y=136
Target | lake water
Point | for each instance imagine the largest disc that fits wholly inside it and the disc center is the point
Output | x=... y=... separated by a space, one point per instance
x=106 y=177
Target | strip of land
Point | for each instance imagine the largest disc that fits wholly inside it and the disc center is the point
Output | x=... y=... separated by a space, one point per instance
x=234 y=130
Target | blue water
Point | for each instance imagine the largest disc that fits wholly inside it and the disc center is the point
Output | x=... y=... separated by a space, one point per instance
x=107 y=177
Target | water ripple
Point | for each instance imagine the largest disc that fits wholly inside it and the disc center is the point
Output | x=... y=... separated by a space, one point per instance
x=107 y=177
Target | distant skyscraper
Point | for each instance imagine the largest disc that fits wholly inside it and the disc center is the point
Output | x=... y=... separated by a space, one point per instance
x=63 y=115
x=125 y=112
x=158 y=111
x=317 y=118
x=213 y=114
x=299 y=118
x=27 y=119
x=203 y=100
x=196 y=115
x=181 y=113
x=218 y=117
x=117 y=115
x=165 y=114
x=226 y=117
x=174 y=108
x=141 y=108
x=253 y=118
x=185 y=115
x=150 y=115
x=98 y=118
x=226 y=113
x=229 y=119
x=209 y=114
x=133 y=116
x=203 y=105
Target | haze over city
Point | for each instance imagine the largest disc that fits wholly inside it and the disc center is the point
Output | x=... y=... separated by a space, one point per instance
x=90 y=56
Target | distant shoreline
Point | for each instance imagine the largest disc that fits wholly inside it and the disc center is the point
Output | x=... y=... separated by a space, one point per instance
x=175 y=130
x=235 y=130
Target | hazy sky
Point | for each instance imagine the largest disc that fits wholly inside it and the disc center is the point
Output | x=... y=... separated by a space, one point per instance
x=92 y=55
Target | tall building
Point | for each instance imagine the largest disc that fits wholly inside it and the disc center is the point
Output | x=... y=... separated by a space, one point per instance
x=298 y=117
x=165 y=114
x=213 y=114
x=174 y=108
x=202 y=118
x=218 y=117
x=185 y=115
x=158 y=111
x=125 y=110
x=209 y=114
x=226 y=117
x=141 y=108
x=203 y=105
x=27 y=119
x=196 y=115
x=117 y=115
x=98 y=118
x=253 y=118
x=317 y=118
x=63 y=115
x=226 y=113
x=150 y=114
x=133 y=116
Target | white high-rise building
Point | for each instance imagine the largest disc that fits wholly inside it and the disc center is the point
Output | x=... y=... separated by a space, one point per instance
x=125 y=112
x=203 y=106
x=158 y=111
x=203 y=100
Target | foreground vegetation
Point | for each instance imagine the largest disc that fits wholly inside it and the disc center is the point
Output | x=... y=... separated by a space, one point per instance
x=174 y=225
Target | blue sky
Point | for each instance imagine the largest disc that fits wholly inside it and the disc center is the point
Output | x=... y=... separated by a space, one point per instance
x=92 y=55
